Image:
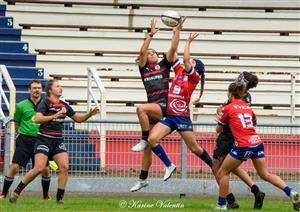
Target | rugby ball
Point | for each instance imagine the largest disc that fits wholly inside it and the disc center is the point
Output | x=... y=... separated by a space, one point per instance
x=170 y=18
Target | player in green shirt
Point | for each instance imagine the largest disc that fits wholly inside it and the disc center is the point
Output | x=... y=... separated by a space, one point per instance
x=27 y=132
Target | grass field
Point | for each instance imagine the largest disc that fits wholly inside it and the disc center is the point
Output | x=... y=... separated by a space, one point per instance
x=29 y=203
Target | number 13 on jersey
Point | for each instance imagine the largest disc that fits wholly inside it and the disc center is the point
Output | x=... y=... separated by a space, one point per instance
x=246 y=120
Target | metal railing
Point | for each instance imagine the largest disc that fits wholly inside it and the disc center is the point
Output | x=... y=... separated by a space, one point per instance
x=84 y=143
x=10 y=105
x=92 y=97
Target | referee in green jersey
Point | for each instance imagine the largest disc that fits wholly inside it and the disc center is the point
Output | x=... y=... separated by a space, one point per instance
x=27 y=132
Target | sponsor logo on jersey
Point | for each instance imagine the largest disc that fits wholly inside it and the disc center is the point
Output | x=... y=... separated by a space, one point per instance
x=179 y=78
x=176 y=89
x=255 y=139
x=178 y=106
x=54 y=109
x=241 y=107
x=146 y=79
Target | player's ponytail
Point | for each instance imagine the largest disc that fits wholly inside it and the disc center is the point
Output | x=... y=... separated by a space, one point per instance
x=251 y=80
x=237 y=89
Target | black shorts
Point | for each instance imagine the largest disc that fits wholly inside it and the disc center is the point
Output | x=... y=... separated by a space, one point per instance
x=24 y=150
x=49 y=146
x=163 y=107
x=223 y=145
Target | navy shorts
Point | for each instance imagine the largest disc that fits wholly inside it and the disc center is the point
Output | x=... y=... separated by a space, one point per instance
x=223 y=145
x=244 y=153
x=163 y=107
x=49 y=146
x=24 y=150
x=178 y=123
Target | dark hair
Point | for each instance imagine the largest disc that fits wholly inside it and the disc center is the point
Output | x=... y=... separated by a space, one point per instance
x=138 y=58
x=237 y=89
x=200 y=67
x=34 y=81
x=250 y=79
x=48 y=86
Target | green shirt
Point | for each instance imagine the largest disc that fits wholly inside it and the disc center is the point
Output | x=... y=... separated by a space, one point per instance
x=25 y=112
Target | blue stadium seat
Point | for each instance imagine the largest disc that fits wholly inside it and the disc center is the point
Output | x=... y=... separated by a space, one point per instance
x=2 y=9
x=82 y=157
x=10 y=34
x=6 y=22
x=80 y=147
x=13 y=47
x=28 y=60
x=25 y=72
x=75 y=136
x=22 y=82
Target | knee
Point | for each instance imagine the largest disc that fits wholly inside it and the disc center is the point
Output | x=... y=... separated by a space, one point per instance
x=220 y=173
x=38 y=169
x=264 y=176
x=140 y=109
x=14 y=168
x=46 y=171
x=152 y=141
x=63 y=169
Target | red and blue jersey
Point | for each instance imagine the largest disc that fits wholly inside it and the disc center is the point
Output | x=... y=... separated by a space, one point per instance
x=240 y=117
x=181 y=90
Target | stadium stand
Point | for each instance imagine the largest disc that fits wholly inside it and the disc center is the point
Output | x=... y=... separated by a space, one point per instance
x=125 y=91
x=14 y=53
x=270 y=46
x=71 y=36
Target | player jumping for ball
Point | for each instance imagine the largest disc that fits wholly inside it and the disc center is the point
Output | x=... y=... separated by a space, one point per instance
x=178 y=113
x=155 y=76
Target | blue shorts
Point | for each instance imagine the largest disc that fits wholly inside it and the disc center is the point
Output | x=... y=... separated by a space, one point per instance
x=179 y=123
x=244 y=153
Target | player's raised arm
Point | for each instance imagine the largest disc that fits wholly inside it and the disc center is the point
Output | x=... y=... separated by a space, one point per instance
x=172 y=52
x=186 y=53
x=142 y=60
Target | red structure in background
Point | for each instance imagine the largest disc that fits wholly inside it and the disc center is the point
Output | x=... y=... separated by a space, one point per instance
x=282 y=151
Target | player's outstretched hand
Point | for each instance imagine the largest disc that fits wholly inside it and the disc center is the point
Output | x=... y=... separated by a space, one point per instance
x=192 y=37
x=93 y=111
x=153 y=27
x=219 y=110
x=180 y=25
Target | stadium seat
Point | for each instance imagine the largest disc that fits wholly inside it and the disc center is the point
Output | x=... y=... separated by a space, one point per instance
x=2 y=9
x=10 y=34
x=13 y=47
x=28 y=60
x=25 y=72
x=6 y=22
x=82 y=157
